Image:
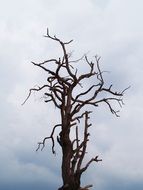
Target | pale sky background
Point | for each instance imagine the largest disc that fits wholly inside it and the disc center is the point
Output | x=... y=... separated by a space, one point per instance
x=112 y=29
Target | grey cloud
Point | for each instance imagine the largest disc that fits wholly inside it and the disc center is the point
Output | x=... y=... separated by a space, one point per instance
x=111 y=29
x=30 y=186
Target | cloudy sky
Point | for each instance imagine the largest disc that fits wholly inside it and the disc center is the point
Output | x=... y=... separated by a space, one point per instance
x=110 y=28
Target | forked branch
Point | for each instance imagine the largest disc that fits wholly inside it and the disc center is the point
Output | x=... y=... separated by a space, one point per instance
x=42 y=144
x=96 y=159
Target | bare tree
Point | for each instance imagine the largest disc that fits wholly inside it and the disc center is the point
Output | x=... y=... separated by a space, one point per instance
x=73 y=104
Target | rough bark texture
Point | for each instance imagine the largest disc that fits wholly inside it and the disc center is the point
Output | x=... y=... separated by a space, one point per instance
x=59 y=87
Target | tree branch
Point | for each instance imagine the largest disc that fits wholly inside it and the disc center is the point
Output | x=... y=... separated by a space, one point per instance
x=88 y=164
x=46 y=138
x=34 y=89
x=85 y=140
x=64 y=52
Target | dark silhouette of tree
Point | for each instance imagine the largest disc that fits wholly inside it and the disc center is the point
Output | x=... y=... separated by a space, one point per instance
x=64 y=89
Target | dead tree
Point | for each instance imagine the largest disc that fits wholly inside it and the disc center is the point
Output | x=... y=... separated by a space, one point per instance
x=62 y=80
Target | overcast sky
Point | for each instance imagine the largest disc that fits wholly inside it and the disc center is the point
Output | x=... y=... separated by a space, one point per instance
x=112 y=29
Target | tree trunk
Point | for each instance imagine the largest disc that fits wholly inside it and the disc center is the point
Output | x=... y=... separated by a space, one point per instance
x=70 y=180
